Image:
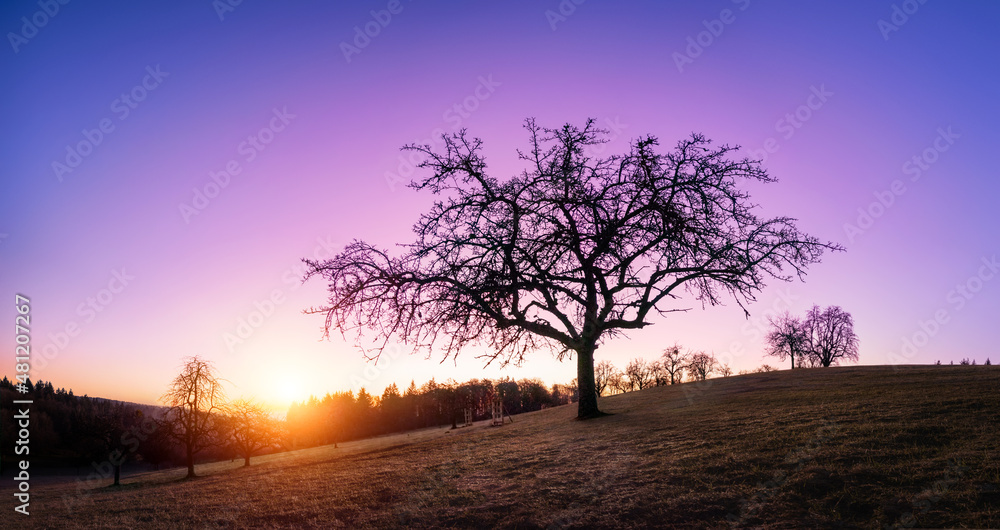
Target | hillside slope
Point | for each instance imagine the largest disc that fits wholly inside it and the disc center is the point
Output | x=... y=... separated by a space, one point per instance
x=838 y=447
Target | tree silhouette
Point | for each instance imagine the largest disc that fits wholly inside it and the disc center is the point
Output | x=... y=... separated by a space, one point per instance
x=640 y=374
x=251 y=429
x=787 y=337
x=111 y=424
x=830 y=335
x=701 y=365
x=674 y=363
x=574 y=250
x=195 y=398
x=602 y=376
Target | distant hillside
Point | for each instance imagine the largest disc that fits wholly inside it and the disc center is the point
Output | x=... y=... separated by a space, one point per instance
x=65 y=429
x=868 y=447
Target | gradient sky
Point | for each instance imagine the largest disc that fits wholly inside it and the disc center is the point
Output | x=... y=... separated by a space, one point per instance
x=920 y=85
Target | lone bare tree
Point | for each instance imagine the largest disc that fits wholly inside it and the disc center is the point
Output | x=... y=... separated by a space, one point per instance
x=570 y=252
x=195 y=399
x=251 y=429
x=830 y=335
x=111 y=425
x=787 y=337
x=674 y=363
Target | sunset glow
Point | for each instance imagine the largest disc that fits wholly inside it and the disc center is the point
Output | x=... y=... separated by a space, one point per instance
x=172 y=165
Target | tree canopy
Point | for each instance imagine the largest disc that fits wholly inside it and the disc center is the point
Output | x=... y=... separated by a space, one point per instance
x=570 y=252
x=195 y=398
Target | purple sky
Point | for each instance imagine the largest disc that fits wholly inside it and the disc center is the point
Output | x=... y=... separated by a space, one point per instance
x=852 y=108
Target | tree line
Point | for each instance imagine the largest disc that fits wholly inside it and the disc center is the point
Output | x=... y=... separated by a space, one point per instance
x=344 y=416
x=199 y=422
x=674 y=366
x=82 y=432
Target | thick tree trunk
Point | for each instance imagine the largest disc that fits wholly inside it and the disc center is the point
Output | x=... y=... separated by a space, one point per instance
x=585 y=382
x=118 y=474
x=246 y=461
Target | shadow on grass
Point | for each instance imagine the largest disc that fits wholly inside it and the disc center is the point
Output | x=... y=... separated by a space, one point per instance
x=596 y=415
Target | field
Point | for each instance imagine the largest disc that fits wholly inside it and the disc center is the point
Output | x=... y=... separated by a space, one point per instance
x=868 y=447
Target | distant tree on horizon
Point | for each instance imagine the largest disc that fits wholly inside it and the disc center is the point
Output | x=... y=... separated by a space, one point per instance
x=786 y=338
x=639 y=374
x=251 y=428
x=701 y=365
x=830 y=336
x=195 y=399
x=618 y=382
x=602 y=376
x=573 y=251
x=823 y=338
x=660 y=376
x=674 y=363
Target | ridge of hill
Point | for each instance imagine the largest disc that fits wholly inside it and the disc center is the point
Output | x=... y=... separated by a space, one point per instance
x=867 y=446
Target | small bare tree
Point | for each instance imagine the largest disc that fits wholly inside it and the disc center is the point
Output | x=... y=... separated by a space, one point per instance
x=830 y=335
x=195 y=399
x=618 y=382
x=787 y=338
x=602 y=376
x=702 y=365
x=251 y=429
x=660 y=376
x=110 y=425
x=674 y=362
x=638 y=374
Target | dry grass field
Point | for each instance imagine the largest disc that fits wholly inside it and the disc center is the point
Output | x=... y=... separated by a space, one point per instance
x=868 y=447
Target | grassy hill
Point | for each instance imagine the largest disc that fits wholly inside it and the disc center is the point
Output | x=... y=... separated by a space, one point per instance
x=839 y=447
